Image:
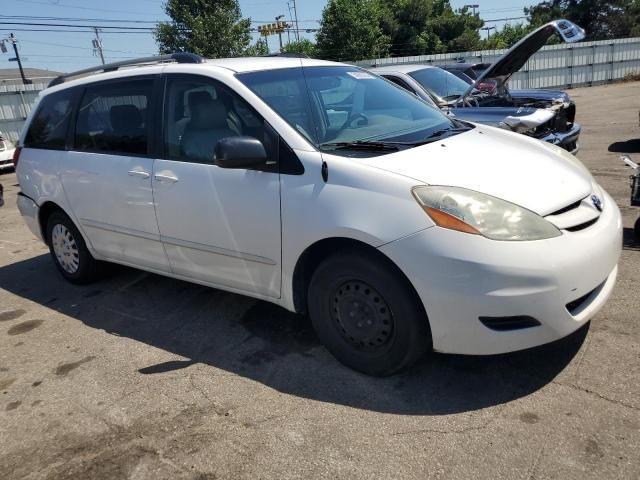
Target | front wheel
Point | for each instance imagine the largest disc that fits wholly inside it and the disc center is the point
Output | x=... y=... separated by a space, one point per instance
x=636 y=229
x=69 y=252
x=367 y=314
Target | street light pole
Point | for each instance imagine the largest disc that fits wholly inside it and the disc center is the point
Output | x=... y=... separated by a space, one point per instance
x=278 y=18
x=474 y=8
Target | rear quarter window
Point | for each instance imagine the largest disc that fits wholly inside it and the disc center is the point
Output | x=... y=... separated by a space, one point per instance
x=48 y=128
x=114 y=117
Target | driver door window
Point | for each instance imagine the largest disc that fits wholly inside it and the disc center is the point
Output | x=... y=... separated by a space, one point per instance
x=199 y=113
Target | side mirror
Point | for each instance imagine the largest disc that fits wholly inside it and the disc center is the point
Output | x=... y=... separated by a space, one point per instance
x=239 y=152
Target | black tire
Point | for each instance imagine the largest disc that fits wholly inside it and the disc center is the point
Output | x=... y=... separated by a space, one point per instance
x=367 y=314
x=636 y=230
x=87 y=266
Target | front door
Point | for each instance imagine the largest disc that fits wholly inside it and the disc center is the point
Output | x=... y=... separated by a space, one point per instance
x=107 y=174
x=218 y=226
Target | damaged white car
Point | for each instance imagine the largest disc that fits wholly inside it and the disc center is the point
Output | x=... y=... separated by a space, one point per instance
x=543 y=114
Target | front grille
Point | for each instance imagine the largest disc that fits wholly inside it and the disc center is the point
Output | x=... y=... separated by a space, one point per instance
x=574 y=217
x=582 y=226
x=504 y=324
x=568 y=208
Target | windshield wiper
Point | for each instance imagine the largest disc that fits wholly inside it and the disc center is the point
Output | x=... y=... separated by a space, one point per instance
x=390 y=145
x=445 y=132
x=361 y=145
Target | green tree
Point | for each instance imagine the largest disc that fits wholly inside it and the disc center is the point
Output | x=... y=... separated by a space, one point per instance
x=257 y=49
x=418 y=27
x=211 y=28
x=303 y=46
x=507 y=37
x=350 y=30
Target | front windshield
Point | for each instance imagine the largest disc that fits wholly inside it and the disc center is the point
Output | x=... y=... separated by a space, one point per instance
x=441 y=83
x=339 y=104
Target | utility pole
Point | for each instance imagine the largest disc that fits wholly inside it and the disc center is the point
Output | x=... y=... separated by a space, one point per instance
x=97 y=44
x=292 y=5
x=14 y=42
x=488 y=29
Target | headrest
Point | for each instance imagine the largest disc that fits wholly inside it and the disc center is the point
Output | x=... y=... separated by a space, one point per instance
x=196 y=97
x=209 y=114
x=125 y=117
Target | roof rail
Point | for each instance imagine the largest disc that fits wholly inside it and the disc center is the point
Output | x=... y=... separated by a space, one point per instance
x=179 y=57
x=288 y=54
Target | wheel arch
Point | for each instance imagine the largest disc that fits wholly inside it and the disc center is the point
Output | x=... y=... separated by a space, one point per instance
x=44 y=212
x=311 y=257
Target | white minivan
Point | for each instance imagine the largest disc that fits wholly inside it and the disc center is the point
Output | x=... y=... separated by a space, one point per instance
x=325 y=189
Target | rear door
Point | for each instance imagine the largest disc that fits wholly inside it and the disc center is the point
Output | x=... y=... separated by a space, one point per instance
x=218 y=226
x=107 y=174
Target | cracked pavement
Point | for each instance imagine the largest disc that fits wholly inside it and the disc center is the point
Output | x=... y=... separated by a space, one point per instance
x=143 y=377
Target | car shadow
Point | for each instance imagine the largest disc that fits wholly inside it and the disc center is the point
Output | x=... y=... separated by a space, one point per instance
x=627 y=146
x=266 y=343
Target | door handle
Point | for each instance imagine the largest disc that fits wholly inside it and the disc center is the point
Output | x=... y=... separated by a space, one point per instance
x=165 y=178
x=138 y=173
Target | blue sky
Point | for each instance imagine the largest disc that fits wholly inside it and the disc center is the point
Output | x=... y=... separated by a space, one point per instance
x=65 y=51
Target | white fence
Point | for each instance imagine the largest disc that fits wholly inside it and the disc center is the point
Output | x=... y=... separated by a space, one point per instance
x=554 y=66
x=16 y=101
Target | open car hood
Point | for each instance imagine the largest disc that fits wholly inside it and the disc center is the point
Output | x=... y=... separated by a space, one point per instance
x=517 y=56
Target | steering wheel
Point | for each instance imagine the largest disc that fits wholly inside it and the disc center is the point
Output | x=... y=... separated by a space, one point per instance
x=354 y=117
x=468 y=101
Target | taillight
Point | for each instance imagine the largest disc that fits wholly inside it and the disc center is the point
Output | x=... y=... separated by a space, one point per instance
x=16 y=156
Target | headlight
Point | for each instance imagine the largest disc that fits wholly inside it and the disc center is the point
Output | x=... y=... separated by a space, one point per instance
x=476 y=213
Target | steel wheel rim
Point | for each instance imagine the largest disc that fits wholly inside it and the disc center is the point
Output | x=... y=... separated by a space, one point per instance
x=362 y=316
x=65 y=248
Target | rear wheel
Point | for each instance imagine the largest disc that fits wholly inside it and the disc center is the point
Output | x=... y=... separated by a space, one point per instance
x=367 y=314
x=636 y=229
x=69 y=251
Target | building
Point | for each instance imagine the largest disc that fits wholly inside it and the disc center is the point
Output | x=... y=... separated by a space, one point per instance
x=17 y=99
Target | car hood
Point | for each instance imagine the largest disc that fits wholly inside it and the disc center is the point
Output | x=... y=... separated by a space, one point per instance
x=503 y=164
x=537 y=94
x=517 y=56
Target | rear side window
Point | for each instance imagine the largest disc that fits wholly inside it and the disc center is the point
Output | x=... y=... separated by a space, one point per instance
x=114 y=118
x=48 y=129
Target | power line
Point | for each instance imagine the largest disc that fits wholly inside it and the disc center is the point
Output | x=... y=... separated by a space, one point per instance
x=57 y=30
x=504 y=19
x=64 y=5
x=36 y=24
x=82 y=48
x=74 y=19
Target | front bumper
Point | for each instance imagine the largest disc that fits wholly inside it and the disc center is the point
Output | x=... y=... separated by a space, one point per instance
x=567 y=140
x=461 y=277
x=6 y=159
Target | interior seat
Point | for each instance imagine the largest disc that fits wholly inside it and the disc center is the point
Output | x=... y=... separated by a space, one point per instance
x=127 y=129
x=207 y=127
x=193 y=99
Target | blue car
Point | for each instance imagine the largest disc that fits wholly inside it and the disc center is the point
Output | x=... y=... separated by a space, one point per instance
x=543 y=114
